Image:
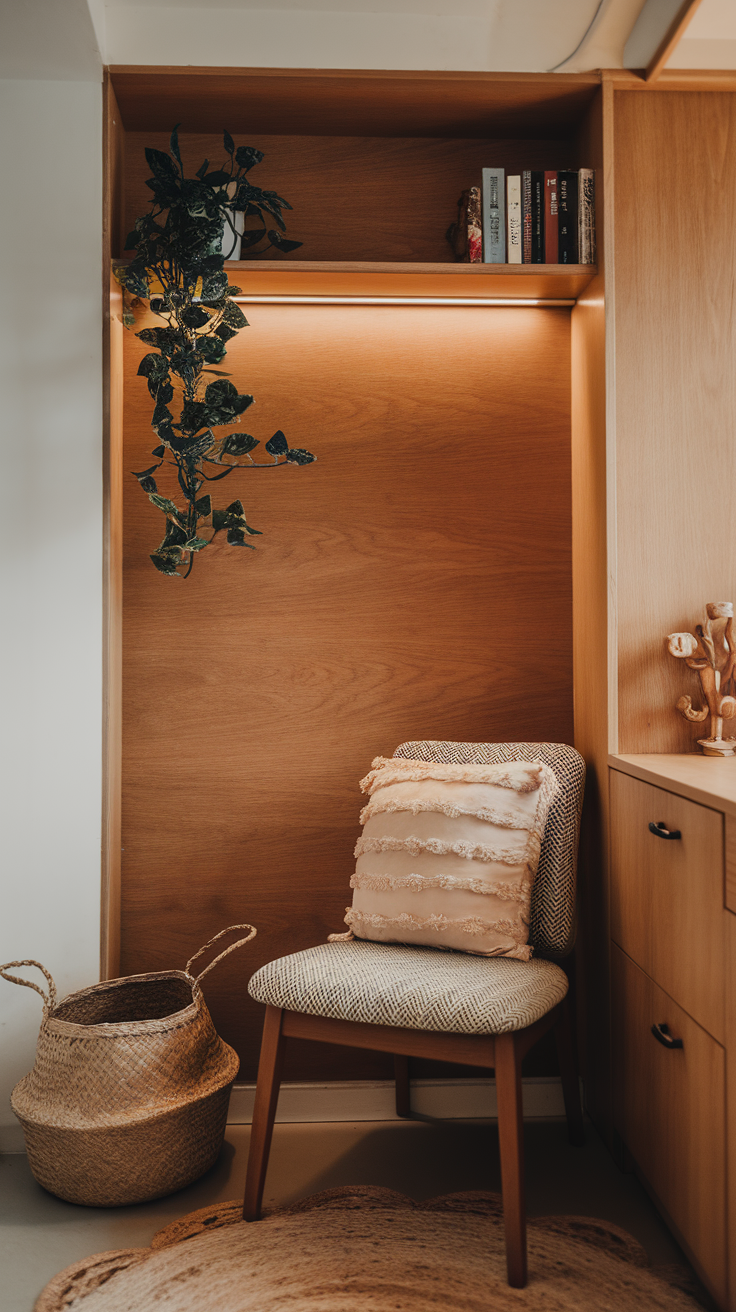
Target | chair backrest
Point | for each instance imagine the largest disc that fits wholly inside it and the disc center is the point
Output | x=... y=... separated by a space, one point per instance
x=552 y=927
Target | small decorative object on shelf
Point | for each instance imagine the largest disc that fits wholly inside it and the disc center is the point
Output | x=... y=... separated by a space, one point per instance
x=712 y=652
x=179 y=268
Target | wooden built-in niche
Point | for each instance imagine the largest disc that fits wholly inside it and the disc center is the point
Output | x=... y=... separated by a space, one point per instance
x=414 y=583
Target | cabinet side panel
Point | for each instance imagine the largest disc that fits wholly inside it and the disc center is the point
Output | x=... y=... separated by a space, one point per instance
x=675 y=160
x=112 y=438
x=590 y=636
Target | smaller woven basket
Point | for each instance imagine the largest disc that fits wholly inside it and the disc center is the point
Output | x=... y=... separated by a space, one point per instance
x=128 y=1097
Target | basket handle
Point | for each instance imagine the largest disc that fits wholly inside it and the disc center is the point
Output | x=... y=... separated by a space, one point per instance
x=49 y=999
x=222 y=933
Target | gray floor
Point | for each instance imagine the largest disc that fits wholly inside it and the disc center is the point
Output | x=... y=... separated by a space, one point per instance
x=39 y=1234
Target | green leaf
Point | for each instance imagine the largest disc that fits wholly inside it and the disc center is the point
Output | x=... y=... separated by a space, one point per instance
x=161 y=415
x=277 y=445
x=214 y=287
x=148 y=484
x=217 y=178
x=165 y=563
x=162 y=503
x=252 y=238
x=236 y=538
x=160 y=164
x=234 y=317
x=203 y=506
x=229 y=143
x=239 y=444
x=212 y=349
x=201 y=172
x=193 y=416
x=174 y=537
x=298 y=456
x=281 y=243
x=196 y=544
x=247 y=156
x=131 y=241
x=224 y=333
x=195 y=317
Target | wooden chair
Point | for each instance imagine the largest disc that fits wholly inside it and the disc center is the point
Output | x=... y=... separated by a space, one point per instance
x=447 y=1006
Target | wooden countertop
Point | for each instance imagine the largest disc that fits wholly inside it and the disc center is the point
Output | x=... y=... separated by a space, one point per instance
x=709 y=780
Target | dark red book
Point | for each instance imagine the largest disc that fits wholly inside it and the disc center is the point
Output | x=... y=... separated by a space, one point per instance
x=551 y=217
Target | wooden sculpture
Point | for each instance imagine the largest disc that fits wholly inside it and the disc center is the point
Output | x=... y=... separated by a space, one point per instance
x=712 y=652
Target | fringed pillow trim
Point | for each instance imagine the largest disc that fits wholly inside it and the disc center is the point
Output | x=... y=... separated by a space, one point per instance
x=520 y=776
x=507 y=892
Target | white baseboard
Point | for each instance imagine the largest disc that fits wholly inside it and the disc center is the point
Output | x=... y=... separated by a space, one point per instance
x=373 y=1100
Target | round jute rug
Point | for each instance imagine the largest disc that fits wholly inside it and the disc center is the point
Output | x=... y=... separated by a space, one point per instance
x=367 y=1248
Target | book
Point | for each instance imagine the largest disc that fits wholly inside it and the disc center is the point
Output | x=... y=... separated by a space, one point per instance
x=526 y=216
x=513 y=222
x=494 y=216
x=474 y=225
x=567 y=224
x=586 y=216
x=537 y=218
x=550 y=217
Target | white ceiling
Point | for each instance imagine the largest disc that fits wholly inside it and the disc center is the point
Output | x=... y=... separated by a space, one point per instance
x=70 y=39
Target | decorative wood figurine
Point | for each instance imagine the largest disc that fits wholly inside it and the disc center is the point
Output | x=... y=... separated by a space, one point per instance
x=713 y=654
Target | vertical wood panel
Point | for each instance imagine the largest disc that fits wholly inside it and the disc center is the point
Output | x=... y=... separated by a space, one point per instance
x=675 y=393
x=414 y=582
x=590 y=525
x=113 y=542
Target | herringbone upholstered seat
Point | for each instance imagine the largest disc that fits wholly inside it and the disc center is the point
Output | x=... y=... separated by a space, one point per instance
x=444 y=1005
x=412 y=987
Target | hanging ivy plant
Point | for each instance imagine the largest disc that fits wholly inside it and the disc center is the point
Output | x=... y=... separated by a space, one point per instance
x=178 y=268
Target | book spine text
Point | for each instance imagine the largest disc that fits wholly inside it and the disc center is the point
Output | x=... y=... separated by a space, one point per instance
x=586 y=216
x=494 y=216
x=550 y=217
x=526 y=215
x=513 y=202
x=567 y=228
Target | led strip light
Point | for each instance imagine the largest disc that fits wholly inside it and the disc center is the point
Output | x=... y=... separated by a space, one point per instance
x=482 y=301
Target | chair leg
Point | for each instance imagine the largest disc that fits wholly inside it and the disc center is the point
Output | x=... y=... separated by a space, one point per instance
x=567 y=1057
x=264 y=1112
x=511 y=1143
x=403 y=1091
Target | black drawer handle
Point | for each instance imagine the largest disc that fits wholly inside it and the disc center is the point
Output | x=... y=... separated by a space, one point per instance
x=661 y=830
x=663 y=1036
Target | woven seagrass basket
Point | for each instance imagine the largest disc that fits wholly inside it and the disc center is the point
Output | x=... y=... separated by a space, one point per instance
x=128 y=1097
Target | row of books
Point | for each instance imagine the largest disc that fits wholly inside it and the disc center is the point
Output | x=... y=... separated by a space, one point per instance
x=532 y=217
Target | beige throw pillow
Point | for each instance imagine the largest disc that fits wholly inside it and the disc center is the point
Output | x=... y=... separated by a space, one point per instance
x=448 y=854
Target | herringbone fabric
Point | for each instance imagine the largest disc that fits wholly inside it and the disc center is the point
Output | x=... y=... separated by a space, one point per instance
x=552 y=927
x=414 y=988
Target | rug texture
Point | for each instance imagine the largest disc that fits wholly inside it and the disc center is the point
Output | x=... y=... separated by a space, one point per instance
x=368 y=1248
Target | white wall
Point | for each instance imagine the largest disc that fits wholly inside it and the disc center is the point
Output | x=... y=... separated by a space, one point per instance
x=51 y=558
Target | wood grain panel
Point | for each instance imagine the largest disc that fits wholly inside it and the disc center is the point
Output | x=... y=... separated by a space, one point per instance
x=590 y=635
x=667 y=896
x=360 y=197
x=675 y=393
x=730 y=866
x=363 y=102
x=414 y=582
x=671 y=1115
x=112 y=446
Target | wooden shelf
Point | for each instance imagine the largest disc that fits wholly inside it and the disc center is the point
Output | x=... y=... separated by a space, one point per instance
x=324 y=278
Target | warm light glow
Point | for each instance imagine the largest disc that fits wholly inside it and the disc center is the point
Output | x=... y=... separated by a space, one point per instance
x=398 y=300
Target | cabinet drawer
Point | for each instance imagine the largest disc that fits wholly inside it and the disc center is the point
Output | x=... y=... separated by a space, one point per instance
x=667 y=908
x=670 y=1110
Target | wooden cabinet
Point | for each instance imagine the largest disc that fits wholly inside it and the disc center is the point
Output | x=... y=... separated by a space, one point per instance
x=667 y=894
x=670 y=1113
x=672 y=944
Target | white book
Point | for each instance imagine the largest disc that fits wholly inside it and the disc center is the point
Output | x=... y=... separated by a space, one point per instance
x=494 y=217
x=513 y=212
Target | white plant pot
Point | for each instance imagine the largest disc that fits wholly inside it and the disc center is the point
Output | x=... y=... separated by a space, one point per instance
x=230 y=245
